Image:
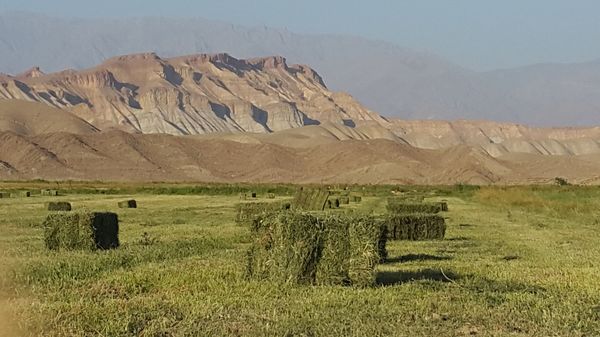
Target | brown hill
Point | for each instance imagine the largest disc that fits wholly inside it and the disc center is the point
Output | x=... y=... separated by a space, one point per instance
x=120 y=156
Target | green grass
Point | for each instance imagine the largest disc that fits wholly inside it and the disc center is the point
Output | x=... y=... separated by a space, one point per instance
x=519 y=261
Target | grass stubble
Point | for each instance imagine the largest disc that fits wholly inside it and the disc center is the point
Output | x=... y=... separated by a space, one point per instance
x=519 y=261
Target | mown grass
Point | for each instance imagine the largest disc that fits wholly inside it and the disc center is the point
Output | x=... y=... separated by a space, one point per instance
x=519 y=261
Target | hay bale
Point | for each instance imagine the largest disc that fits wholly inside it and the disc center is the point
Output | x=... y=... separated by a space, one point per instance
x=333 y=203
x=22 y=194
x=344 y=200
x=253 y=195
x=356 y=198
x=399 y=206
x=248 y=212
x=415 y=227
x=82 y=231
x=49 y=193
x=443 y=205
x=62 y=206
x=310 y=199
x=286 y=248
x=243 y=196
x=270 y=195
x=305 y=248
x=4 y=195
x=127 y=204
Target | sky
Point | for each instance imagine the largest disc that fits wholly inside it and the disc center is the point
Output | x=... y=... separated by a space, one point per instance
x=478 y=34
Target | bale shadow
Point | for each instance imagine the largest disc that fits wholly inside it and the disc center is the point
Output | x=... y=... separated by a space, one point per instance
x=417 y=257
x=388 y=278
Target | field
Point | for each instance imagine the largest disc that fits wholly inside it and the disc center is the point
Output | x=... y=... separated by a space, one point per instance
x=518 y=261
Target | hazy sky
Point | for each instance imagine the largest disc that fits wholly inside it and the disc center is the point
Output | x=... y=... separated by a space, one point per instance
x=480 y=34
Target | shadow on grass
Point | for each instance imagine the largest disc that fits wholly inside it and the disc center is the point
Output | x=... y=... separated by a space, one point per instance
x=473 y=283
x=417 y=257
x=388 y=278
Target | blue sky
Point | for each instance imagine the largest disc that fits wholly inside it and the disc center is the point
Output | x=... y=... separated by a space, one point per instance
x=479 y=34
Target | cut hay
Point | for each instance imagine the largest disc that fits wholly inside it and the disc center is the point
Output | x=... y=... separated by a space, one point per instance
x=127 y=204
x=310 y=199
x=60 y=206
x=248 y=212
x=399 y=206
x=49 y=193
x=81 y=231
x=305 y=248
x=4 y=195
x=415 y=227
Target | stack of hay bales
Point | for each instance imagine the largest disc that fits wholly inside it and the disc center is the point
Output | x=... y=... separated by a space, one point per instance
x=4 y=195
x=49 y=193
x=409 y=220
x=306 y=248
x=310 y=199
x=247 y=212
x=81 y=231
x=127 y=204
x=61 y=206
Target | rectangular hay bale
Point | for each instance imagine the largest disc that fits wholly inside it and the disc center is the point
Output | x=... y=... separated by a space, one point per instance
x=81 y=231
x=310 y=199
x=4 y=195
x=127 y=204
x=247 y=212
x=58 y=206
x=49 y=193
x=399 y=206
x=415 y=227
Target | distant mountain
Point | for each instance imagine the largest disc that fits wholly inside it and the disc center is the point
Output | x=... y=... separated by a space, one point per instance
x=386 y=78
x=189 y=95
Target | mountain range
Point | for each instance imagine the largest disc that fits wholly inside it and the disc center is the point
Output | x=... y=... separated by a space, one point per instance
x=396 y=82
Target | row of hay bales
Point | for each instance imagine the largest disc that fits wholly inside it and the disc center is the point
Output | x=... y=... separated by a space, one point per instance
x=65 y=206
x=310 y=248
x=254 y=195
x=27 y=194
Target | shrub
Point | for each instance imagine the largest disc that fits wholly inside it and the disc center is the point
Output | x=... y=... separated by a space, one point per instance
x=415 y=227
x=84 y=231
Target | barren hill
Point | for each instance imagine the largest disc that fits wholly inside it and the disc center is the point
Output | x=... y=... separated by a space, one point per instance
x=194 y=94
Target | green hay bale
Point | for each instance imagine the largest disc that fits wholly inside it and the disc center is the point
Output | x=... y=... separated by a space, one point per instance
x=307 y=248
x=356 y=198
x=270 y=195
x=333 y=203
x=127 y=204
x=248 y=212
x=286 y=248
x=443 y=206
x=243 y=196
x=4 y=195
x=49 y=193
x=21 y=194
x=81 y=231
x=310 y=199
x=415 y=227
x=399 y=206
x=62 y=206
x=344 y=200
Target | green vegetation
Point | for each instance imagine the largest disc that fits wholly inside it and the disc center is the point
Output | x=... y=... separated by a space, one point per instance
x=515 y=261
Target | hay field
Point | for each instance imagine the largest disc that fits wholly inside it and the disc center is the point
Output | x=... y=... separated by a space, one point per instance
x=521 y=261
